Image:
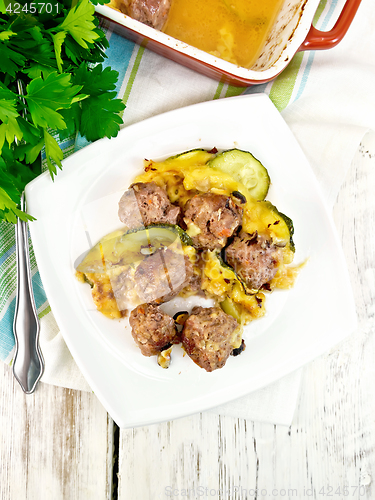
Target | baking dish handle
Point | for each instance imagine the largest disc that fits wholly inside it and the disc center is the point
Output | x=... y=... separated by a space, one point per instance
x=319 y=40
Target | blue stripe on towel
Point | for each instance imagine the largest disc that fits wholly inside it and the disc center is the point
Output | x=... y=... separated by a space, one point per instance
x=7 y=254
x=312 y=53
x=118 y=56
x=39 y=293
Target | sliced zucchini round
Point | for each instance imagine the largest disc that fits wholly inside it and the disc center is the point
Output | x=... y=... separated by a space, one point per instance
x=191 y=157
x=264 y=217
x=244 y=168
x=124 y=248
x=231 y=308
x=282 y=227
x=237 y=277
x=289 y=223
x=174 y=228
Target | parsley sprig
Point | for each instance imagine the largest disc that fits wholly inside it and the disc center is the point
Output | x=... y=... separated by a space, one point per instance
x=56 y=57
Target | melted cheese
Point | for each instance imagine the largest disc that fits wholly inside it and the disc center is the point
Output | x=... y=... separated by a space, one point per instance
x=102 y=294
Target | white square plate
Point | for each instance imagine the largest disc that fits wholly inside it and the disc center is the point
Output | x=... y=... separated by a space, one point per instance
x=300 y=324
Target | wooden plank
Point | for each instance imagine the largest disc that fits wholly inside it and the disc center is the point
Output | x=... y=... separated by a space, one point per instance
x=329 y=449
x=56 y=443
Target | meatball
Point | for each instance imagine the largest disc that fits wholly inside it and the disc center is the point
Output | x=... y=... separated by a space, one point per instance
x=151 y=12
x=254 y=258
x=195 y=284
x=144 y=204
x=152 y=329
x=208 y=337
x=216 y=218
x=162 y=276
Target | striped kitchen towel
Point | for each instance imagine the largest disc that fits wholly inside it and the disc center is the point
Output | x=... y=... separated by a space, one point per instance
x=326 y=98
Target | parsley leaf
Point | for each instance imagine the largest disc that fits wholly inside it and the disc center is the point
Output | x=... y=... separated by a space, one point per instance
x=53 y=153
x=7 y=109
x=72 y=118
x=30 y=133
x=79 y=23
x=5 y=35
x=29 y=151
x=46 y=96
x=8 y=131
x=100 y=110
x=97 y=80
x=100 y=116
x=11 y=61
x=58 y=41
x=9 y=128
x=17 y=173
x=9 y=210
x=14 y=175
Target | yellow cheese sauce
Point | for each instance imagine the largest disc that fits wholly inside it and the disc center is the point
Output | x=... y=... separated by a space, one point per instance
x=234 y=30
x=102 y=294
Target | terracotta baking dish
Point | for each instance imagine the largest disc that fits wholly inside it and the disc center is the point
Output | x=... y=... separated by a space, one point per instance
x=292 y=32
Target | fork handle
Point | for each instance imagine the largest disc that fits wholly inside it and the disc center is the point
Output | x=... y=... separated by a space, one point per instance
x=28 y=364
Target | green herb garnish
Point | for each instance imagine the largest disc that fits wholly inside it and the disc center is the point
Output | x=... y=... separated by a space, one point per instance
x=56 y=56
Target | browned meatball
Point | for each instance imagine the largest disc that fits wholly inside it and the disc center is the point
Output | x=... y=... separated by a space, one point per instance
x=152 y=329
x=215 y=216
x=254 y=258
x=162 y=276
x=207 y=337
x=151 y=12
x=144 y=204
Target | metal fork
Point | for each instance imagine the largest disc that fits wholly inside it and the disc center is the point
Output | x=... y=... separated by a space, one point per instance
x=28 y=363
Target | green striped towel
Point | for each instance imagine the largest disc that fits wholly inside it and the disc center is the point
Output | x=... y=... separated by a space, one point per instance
x=326 y=98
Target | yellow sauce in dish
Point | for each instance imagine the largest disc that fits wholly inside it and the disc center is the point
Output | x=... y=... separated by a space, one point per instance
x=234 y=30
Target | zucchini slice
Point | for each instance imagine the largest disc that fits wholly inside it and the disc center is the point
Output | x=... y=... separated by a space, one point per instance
x=284 y=229
x=187 y=158
x=124 y=248
x=244 y=168
x=264 y=217
x=236 y=277
x=289 y=223
x=231 y=308
x=171 y=228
